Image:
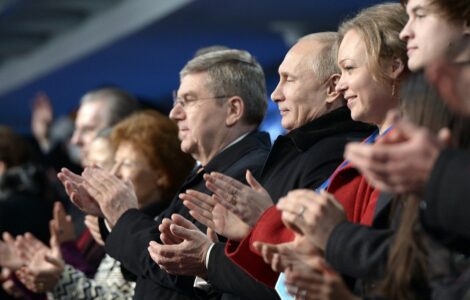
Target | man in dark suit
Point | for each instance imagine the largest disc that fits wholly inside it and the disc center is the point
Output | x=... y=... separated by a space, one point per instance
x=218 y=107
x=319 y=126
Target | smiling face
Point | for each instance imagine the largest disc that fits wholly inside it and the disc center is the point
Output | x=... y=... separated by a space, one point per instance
x=201 y=123
x=428 y=34
x=367 y=98
x=299 y=95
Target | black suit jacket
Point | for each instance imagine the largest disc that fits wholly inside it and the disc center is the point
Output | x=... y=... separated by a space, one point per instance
x=132 y=233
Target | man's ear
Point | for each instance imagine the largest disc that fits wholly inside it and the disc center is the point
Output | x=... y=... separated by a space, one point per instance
x=331 y=93
x=235 y=110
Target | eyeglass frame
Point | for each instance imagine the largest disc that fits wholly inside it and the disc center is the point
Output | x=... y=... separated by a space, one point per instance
x=184 y=102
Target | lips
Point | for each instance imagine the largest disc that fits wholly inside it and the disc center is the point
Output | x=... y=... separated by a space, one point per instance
x=409 y=50
x=351 y=100
x=283 y=111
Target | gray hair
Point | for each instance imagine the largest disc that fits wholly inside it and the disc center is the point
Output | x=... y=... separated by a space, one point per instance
x=324 y=63
x=119 y=103
x=234 y=72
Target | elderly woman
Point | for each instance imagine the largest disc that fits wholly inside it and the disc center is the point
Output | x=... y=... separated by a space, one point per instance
x=148 y=156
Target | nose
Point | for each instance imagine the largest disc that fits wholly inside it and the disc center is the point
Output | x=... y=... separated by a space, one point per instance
x=277 y=94
x=77 y=138
x=405 y=32
x=116 y=169
x=177 y=113
x=341 y=86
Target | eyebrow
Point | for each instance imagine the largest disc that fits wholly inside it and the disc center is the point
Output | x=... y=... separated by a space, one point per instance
x=343 y=60
x=418 y=8
x=286 y=74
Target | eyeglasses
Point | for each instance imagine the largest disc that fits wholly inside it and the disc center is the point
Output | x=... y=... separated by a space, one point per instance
x=186 y=100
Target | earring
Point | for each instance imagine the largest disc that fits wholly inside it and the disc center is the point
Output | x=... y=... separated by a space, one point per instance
x=393 y=88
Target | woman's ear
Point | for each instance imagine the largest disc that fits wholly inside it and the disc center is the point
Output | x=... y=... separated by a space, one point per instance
x=396 y=67
x=331 y=93
x=235 y=109
x=163 y=180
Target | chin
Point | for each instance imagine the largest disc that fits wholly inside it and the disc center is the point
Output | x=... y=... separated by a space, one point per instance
x=415 y=65
x=185 y=147
x=357 y=116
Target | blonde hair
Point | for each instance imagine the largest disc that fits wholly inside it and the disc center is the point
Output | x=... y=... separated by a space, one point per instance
x=379 y=26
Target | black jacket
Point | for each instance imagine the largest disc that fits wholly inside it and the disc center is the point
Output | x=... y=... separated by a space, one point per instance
x=128 y=242
x=25 y=202
x=361 y=251
x=445 y=210
x=304 y=158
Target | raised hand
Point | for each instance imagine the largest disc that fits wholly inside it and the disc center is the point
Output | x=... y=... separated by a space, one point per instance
x=312 y=215
x=282 y=256
x=44 y=265
x=91 y=222
x=41 y=119
x=401 y=163
x=113 y=195
x=75 y=189
x=314 y=279
x=9 y=257
x=9 y=286
x=62 y=224
x=247 y=202
x=209 y=212
x=186 y=257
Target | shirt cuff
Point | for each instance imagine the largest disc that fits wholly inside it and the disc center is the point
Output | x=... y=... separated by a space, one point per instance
x=199 y=282
x=107 y=225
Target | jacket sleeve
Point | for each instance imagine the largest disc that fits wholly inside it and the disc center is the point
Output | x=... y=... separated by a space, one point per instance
x=228 y=278
x=128 y=243
x=445 y=208
x=358 y=251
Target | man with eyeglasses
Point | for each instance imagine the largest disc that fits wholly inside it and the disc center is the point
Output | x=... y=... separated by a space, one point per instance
x=319 y=125
x=220 y=102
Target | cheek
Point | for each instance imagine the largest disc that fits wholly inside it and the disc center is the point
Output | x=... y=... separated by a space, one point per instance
x=126 y=175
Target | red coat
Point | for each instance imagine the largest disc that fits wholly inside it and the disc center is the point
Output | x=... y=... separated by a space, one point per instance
x=350 y=189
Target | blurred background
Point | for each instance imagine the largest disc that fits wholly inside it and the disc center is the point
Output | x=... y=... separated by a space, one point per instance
x=67 y=47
